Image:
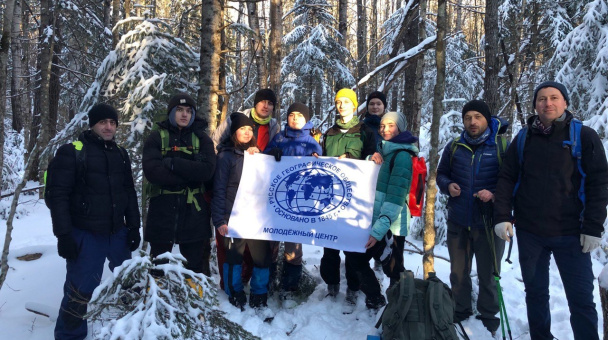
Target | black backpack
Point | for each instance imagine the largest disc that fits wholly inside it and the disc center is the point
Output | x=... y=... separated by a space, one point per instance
x=418 y=309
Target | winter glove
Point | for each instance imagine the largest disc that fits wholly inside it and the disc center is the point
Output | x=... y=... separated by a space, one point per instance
x=168 y=163
x=589 y=242
x=67 y=247
x=504 y=230
x=277 y=153
x=133 y=238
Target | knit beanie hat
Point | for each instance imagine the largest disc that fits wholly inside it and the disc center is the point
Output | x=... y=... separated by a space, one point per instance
x=100 y=112
x=379 y=95
x=396 y=117
x=553 y=84
x=348 y=93
x=238 y=120
x=181 y=99
x=265 y=94
x=479 y=106
x=299 y=107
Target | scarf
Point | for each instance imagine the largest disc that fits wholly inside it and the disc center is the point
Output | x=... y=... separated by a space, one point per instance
x=540 y=127
x=476 y=141
x=257 y=119
x=347 y=126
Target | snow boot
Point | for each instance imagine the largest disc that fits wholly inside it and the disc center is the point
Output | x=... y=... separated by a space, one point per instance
x=375 y=302
x=239 y=300
x=332 y=290
x=258 y=300
x=350 y=302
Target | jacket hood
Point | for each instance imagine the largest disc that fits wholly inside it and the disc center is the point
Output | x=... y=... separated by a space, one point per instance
x=404 y=137
x=293 y=133
x=198 y=126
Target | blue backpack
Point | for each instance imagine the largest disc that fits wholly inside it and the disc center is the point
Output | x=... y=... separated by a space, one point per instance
x=576 y=150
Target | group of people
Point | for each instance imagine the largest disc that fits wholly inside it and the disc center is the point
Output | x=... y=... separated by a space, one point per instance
x=192 y=181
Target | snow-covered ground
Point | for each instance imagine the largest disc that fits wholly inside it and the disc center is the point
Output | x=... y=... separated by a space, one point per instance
x=41 y=281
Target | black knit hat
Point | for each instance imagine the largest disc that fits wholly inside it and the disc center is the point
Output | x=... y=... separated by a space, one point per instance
x=299 y=107
x=238 y=120
x=553 y=84
x=181 y=99
x=100 y=112
x=265 y=94
x=379 y=95
x=479 y=106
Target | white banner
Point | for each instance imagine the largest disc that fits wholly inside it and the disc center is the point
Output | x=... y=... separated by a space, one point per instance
x=321 y=201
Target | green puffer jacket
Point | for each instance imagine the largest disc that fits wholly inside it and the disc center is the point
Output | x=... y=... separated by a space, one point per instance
x=358 y=142
x=392 y=189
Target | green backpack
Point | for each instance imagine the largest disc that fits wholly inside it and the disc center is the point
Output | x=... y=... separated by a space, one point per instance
x=418 y=309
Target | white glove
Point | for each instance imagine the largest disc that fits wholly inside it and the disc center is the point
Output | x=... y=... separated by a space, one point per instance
x=589 y=242
x=504 y=230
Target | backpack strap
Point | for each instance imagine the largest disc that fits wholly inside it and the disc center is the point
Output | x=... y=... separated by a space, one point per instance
x=576 y=150
x=81 y=162
x=501 y=148
x=392 y=163
x=164 y=144
x=164 y=141
x=521 y=142
x=442 y=326
x=453 y=147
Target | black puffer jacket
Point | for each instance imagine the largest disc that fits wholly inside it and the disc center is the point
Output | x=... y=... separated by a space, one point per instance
x=103 y=200
x=171 y=219
x=546 y=202
x=226 y=183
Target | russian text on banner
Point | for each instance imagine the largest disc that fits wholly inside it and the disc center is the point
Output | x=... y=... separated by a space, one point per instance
x=321 y=201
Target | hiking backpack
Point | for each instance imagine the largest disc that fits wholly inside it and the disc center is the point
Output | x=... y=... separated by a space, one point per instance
x=418 y=309
x=81 y=168
x=576 y=150
x=415 y=198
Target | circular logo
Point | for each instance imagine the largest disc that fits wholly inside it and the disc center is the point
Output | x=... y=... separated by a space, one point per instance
x=310 y=192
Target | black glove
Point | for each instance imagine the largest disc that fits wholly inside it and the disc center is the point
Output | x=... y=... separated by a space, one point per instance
x=67 y=247
x=133 y=238
x=168 y=163
x=276 y=152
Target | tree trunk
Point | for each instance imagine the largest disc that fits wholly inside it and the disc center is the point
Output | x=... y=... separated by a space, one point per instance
x=343 y=30
x=107 y=14
x=417 y=108
x=17 y=88
x=257 y=44
x=438 y=95
x=411 y=104
x=373 y=39
x=27 y=107
x=115 y=19
x=361 y=45
x=490 y=84
x=5 y=45
x=47 y=44
x=128 y=5
x=211 y=16
x=276 y=46
x=458 y=9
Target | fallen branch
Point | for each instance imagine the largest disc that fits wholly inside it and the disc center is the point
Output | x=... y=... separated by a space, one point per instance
x=24 y=190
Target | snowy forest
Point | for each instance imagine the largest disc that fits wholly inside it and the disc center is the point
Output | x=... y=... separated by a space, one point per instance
x=58 y=58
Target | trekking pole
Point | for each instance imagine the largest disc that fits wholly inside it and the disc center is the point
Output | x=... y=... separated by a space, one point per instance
x=486 y=210
x=508 y=260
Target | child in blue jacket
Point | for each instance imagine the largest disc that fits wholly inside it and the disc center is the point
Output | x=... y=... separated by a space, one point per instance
x=294 y=140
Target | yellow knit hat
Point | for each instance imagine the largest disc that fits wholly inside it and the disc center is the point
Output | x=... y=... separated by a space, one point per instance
x=348 y=93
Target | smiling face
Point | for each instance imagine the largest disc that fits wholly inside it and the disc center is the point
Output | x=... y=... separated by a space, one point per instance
x=244 y=134
x=183 y=114
x=475 y=123
x=550 y=105
x=106 y=129
x=388 y=129
x=375 y=107
x=296 y=120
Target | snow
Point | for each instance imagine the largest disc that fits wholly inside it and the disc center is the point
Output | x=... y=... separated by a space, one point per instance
x=41 y=281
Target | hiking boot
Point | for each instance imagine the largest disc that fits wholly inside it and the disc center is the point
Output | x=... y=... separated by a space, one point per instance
x=239 y=300
x=333 y=290
x=258 y=300
x=351 y=296
x=375 y=302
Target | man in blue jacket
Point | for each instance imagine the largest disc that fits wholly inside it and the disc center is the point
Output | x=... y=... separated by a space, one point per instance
x=468 y=172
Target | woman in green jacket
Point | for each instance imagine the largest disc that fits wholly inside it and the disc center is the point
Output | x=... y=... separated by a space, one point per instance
x=391 y=212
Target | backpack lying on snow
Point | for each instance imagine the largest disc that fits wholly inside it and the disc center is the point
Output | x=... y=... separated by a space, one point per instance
x=418 y=309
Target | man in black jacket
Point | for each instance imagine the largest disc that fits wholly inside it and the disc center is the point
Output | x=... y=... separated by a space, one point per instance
x=548 y=211
x=94 y=210
x=178 y=159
